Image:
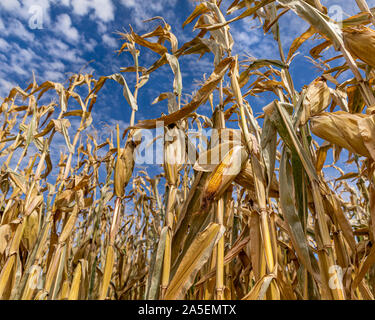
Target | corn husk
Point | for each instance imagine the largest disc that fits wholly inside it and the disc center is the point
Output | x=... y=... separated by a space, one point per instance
x=360 y=41
x=221 y=144
x=174 y=154
x=343 y=129
x=31 y=230
x=124 y=168
x=246 y=179
x=317 y=99
x=223 y=175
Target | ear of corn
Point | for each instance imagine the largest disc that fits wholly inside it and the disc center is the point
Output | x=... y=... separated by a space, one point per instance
x=124 y=168
x=317 y=99
x=360 y=41
x=223 y=175
x=343 y=129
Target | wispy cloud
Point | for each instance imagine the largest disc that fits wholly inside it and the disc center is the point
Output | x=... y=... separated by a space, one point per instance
x=64 y=26
x=109 y=41
x=15 y=28
x=5 y=86
x=101 y=9
x=142 y=10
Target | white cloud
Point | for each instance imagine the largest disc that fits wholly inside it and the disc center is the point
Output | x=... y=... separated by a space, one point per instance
x=53 y=66
x=81 y=7
x=53 y=75
x=109 y=41
x=16 y=28
x=5 y=87
x=129 y=3
x=64 y=25
x=142 y=10
x=103 y=9
x=23 y=55
x=10 y=4
x=90 y=44
x=60 y=50
x=16 y=68
x=4 y=46
x=102 y=27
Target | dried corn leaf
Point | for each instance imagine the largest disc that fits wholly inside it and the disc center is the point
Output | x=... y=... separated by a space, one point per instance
x=198 y=254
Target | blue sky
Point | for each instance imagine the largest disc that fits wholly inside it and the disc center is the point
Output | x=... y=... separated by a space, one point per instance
x=80 y=36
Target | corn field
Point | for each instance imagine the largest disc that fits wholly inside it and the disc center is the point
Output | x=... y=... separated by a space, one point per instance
x=263 y=222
